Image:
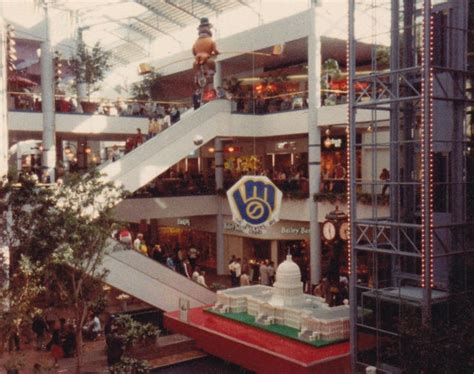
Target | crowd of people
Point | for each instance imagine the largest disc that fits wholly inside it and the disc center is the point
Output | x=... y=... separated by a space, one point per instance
x=183 y=261
x=291 y=181
x=244 y=272
x=57 y=336
x=119 y=107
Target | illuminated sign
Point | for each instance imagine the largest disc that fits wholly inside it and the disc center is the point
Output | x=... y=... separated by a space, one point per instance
x=184 y=222
x=255 y=203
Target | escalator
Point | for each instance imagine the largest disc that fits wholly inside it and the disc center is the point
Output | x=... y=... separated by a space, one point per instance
x=154 y=157
x=152 y=282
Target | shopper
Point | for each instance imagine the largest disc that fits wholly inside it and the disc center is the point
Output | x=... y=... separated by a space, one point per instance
x=39 y=327
x=158 y=254
x=170 y=262
x=385 y=177
x=138 y=242
x=193 y=254
x=195 y=274
x=69 y=342
x=244 y=280
x=233 y=278
x=201 y=279
x=139 y=139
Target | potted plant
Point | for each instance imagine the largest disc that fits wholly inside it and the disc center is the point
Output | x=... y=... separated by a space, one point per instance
x=149 y=333
x=89 y=67
x=149 y=88
x=129 y=365
x=14 y=364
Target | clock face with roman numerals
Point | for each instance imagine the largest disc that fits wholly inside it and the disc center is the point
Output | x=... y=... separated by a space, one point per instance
x=329 y=230
x=343 y=230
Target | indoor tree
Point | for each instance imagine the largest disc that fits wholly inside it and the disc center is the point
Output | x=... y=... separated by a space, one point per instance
x=64 y=230
x=148 y=88
x=89 y=66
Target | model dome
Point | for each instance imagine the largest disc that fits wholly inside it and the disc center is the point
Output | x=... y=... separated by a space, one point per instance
x=288 y=286
x=288 y=267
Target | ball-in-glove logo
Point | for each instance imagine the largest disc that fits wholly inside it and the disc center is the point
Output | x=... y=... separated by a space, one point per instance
x=255 y=201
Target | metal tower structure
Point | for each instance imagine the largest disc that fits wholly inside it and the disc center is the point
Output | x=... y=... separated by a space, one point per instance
x=419 y=256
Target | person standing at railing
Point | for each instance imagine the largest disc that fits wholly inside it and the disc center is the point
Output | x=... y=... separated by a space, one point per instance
x=37 y=105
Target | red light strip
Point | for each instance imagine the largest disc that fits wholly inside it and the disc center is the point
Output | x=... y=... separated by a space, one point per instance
x=348 y=158
x=427 y=243
x=431 y=160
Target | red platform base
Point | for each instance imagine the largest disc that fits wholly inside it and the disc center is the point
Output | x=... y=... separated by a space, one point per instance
x=256 y=349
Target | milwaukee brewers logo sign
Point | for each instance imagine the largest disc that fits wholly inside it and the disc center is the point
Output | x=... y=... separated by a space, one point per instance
x=255 y=203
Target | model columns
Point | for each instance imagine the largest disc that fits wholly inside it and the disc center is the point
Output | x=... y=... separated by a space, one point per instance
x=47 y=103
x=314 y=140
x=3 y=102
x=219 y=167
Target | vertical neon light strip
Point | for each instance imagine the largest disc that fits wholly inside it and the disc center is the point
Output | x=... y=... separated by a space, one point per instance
x=427 y=243
x=348 y=156
x=423 y=161
x=431 y=159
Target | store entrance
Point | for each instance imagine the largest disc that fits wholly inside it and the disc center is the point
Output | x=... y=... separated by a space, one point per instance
x=257 y=249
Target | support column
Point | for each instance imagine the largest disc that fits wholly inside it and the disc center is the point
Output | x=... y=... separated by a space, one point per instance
x=394 y=189
x=47 y=103
x=314 y=140
x=3 y=102
x=81 y=87
x=219 y=168
x=274 y=252
x=218 y=75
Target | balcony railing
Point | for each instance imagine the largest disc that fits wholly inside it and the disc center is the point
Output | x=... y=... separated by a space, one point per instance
x=31 y=102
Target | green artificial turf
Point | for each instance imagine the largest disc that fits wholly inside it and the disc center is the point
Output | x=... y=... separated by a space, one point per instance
x=286 y=331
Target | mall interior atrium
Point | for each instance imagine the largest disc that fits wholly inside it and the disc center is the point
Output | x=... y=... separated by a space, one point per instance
x=236 y=186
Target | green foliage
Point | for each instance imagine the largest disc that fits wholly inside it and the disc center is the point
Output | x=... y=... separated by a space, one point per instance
x=362 y=198
x=149 y=88
x=99 y=305
x=18 y=296
x=330 y=69
x=446 y=346
x=382 y=56
x=61 y=234
x=129 y=365
x=130 y=331
x=90 y=65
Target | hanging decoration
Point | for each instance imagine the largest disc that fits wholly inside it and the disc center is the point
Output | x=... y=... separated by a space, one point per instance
x=204 y=51
x=255 y=203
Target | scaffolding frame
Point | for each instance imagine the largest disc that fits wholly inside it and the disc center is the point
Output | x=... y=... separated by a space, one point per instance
x=426 y=88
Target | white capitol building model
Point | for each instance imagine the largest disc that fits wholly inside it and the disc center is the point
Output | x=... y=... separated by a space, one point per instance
x=286 y=304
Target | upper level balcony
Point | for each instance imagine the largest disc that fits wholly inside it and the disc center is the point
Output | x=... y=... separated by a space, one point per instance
x=245 y=117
